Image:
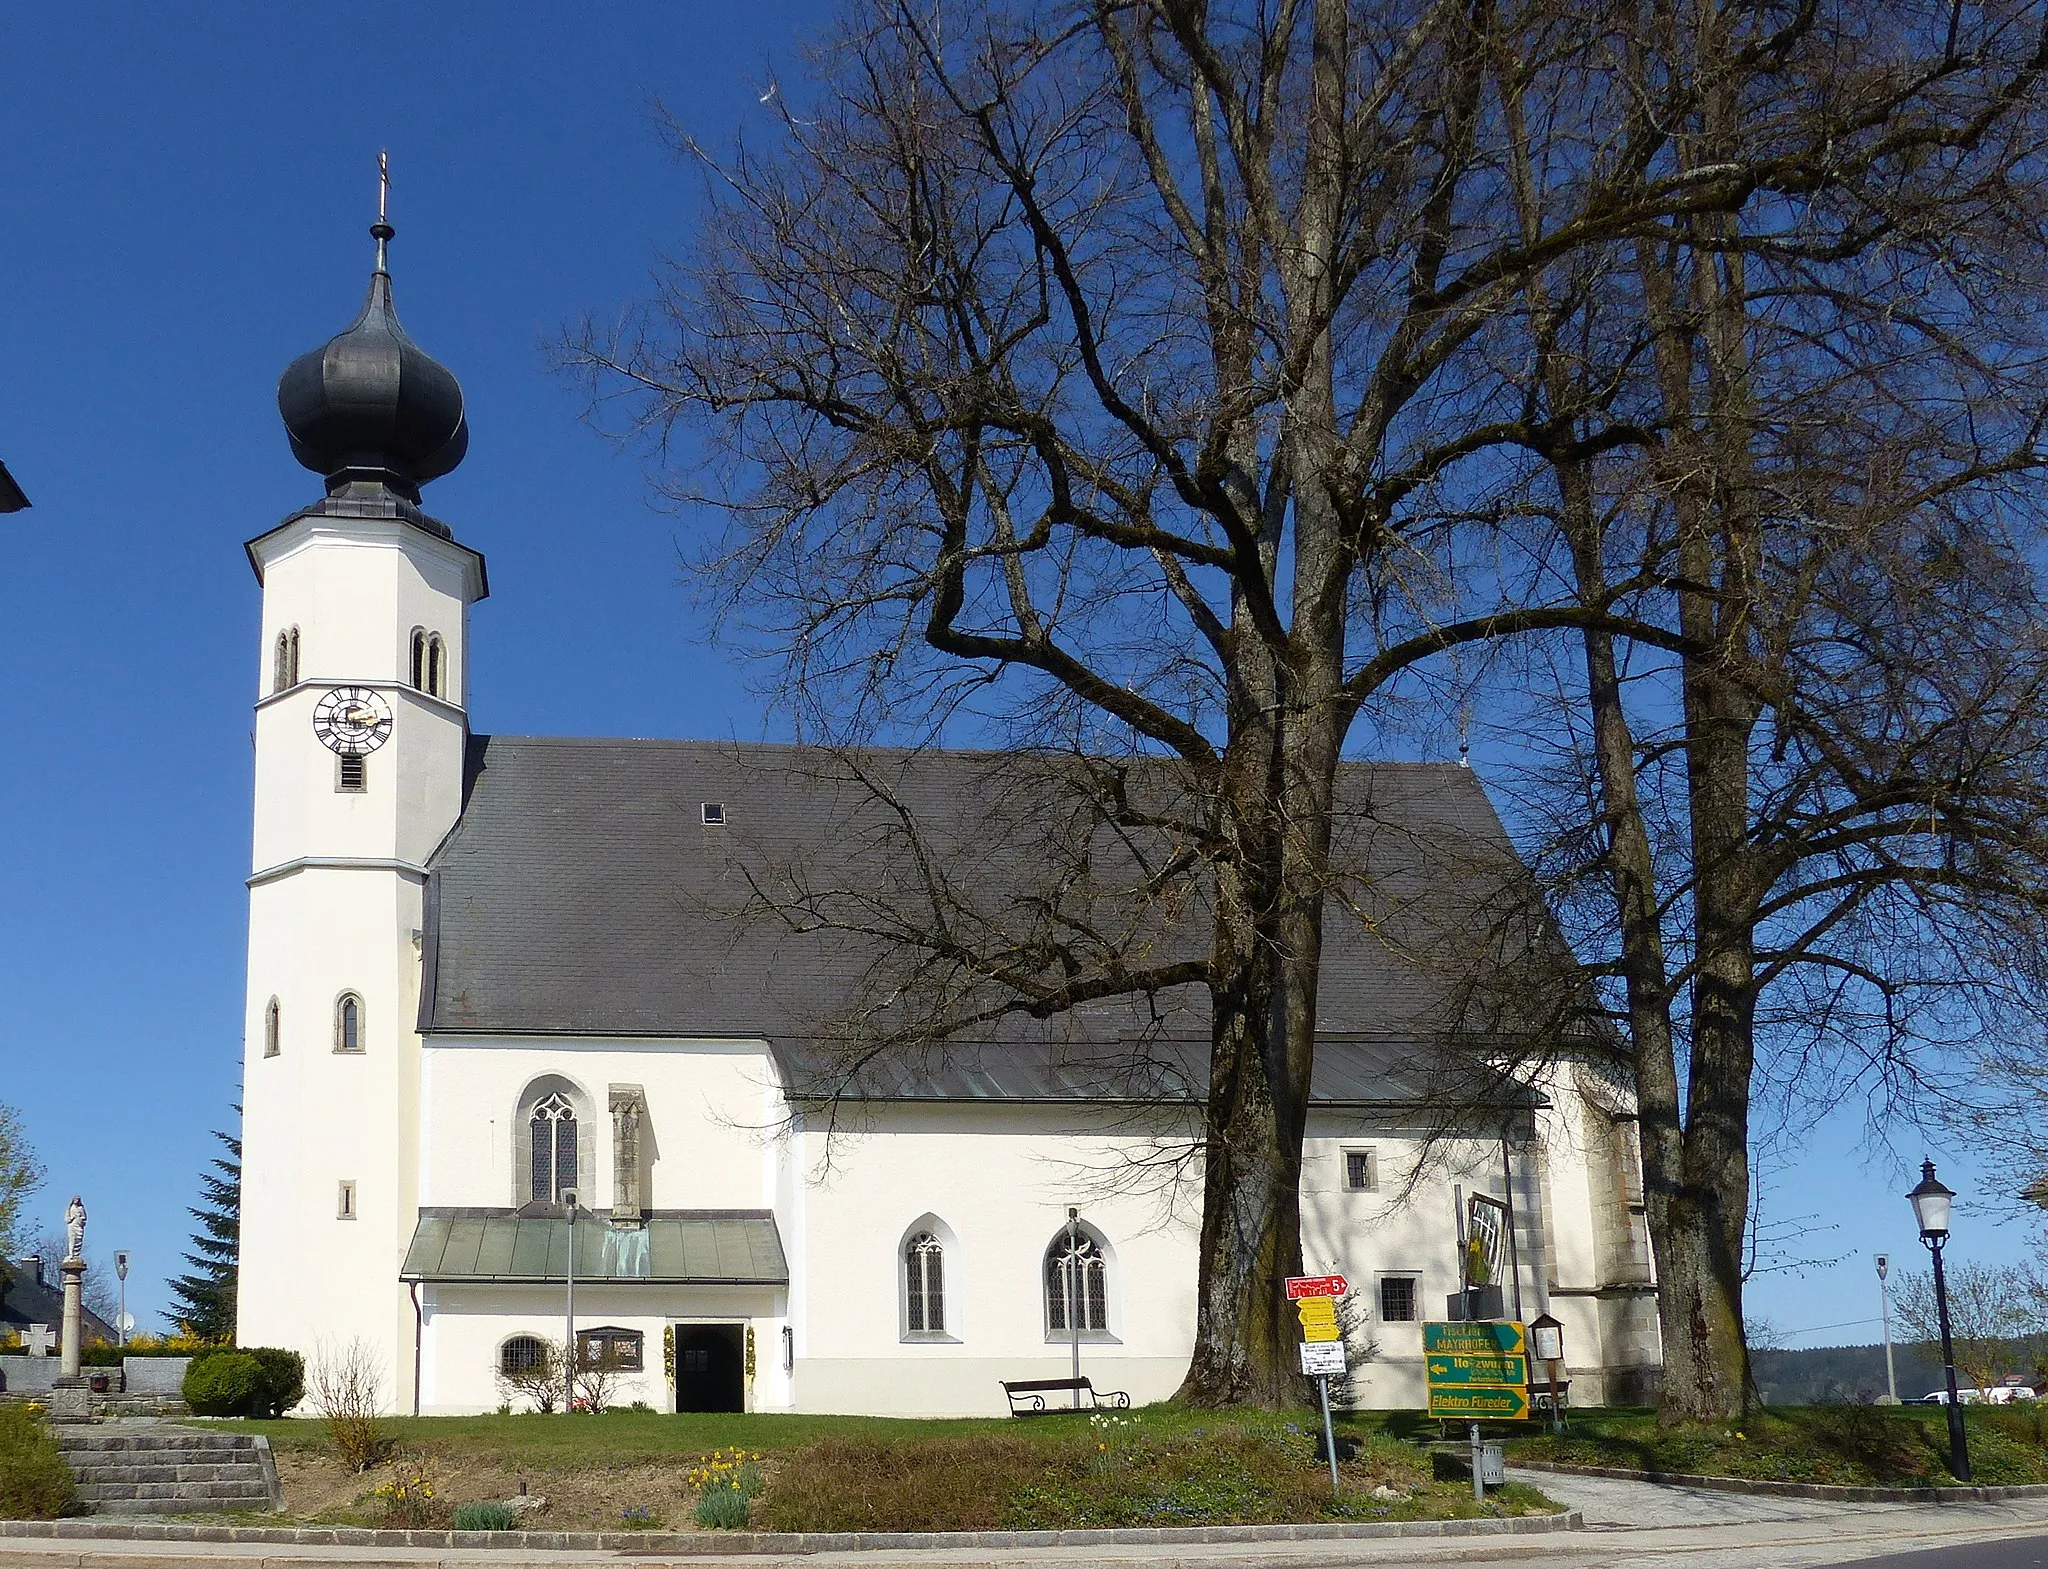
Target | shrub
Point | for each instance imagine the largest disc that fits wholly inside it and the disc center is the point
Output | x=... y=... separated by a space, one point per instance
x=284 y=1380
x=35 y=1484
x=722 y=1507
x=346 y=1391
x=225 y=1384
x=262 y=1381
x=485 y=1517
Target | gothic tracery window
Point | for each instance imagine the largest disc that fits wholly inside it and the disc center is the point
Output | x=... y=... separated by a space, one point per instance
x=924 y=1285
x=273 y=1032
x=1076 y=1285
x=553 y=1126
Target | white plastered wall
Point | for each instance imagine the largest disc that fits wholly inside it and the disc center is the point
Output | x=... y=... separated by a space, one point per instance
x=334 y=906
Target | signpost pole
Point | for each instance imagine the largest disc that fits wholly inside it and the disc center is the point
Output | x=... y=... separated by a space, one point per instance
x=1329 y=1437
x=1478 y=1481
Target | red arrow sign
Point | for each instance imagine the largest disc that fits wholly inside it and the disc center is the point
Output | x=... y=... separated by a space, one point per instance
x=1299 y=1286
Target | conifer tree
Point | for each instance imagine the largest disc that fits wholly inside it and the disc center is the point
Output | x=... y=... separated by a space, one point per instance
x=206 y=1297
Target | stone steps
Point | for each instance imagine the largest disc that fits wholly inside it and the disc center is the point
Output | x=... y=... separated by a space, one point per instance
x=231 y=1471
x=150 y=1468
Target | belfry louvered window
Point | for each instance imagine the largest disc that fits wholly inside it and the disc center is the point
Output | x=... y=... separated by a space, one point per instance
x=554 y=1149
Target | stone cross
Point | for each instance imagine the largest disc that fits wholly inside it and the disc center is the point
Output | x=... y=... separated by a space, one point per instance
x=39 y=1339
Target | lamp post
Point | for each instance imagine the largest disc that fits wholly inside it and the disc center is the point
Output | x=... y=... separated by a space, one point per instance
x=1884 y=1295
x=1931 y=1203
x=1546 y=1344
x=569 y=1310
x=1074 y=1295
x=121 y=1271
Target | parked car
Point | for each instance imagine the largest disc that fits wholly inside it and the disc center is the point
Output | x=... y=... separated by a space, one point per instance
x=1997 y=1396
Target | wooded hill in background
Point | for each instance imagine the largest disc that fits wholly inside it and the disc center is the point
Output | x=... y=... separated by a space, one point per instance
x=1840 y=1375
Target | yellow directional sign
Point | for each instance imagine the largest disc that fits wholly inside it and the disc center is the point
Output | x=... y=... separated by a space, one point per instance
x=1513 y=1371
x=1317 y=1310
x=1315 y=1332
x=1476 y=1401
x=1480 y=1338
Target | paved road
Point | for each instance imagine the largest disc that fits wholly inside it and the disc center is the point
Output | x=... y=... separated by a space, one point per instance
x=2025 y=1554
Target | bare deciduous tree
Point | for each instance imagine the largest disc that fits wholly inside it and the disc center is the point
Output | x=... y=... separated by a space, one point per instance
x=1990 y=1308
x=535 y=1376
x=1137 y=377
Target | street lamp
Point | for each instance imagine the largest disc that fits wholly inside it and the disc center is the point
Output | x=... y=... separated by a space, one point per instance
x=121 y=1269
x=1884 y=1294
x=569 y=1311
x=1546 y=1344
x=1074 y=1294
x=1931 y=1203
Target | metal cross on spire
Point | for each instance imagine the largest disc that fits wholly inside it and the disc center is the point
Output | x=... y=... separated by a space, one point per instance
x=382 y=227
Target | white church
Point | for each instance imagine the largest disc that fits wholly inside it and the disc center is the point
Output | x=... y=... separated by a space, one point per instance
x=487 y=973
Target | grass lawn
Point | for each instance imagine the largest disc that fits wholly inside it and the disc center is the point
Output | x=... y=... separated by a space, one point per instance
x=1156 y=1466
x=1857 y=1446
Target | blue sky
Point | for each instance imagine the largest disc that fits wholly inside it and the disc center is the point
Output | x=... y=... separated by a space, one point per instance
x=184 y=193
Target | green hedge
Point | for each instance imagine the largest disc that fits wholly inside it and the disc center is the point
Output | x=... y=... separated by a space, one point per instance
x=35 y=1483
x=244 y=1381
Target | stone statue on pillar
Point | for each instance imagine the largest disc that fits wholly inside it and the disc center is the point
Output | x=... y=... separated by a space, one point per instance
x=629 y=1161
x=70 y=1397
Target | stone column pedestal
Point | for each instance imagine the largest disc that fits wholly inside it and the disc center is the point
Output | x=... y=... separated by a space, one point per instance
x=70 y=1399
x=74 y=1315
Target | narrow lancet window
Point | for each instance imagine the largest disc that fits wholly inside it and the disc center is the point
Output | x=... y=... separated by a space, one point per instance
x=348 y=1023
x=924 y=1283
x=554 y=1149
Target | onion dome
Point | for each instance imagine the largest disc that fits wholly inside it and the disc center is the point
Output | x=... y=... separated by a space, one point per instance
x=371 y=405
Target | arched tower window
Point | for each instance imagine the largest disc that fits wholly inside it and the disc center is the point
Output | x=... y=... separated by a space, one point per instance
x=272 y=1033
x=1076 y=1284
x=348 y=1022
x=429 y=663
x=552 y=1128
x=285 y=662
x=924 y=1285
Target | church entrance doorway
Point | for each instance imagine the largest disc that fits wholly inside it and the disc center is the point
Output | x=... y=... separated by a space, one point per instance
x=710 y=1374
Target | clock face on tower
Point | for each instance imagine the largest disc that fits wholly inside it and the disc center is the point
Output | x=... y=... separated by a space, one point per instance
x=352 y=720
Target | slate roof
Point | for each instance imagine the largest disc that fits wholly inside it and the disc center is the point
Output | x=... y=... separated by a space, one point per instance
x=706 y=1247
x=27 y=1297
x=582 y=894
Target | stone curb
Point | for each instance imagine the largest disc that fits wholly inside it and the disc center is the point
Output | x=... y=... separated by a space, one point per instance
x=734 y=1543
x=1827 y=1490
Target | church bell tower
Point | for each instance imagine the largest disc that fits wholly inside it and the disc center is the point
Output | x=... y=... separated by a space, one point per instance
x=361 y=730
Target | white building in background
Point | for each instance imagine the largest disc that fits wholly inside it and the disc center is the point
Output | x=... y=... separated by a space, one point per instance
x=487 y=970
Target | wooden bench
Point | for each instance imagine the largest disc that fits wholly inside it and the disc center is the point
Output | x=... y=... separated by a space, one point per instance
x=1027 y=1395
